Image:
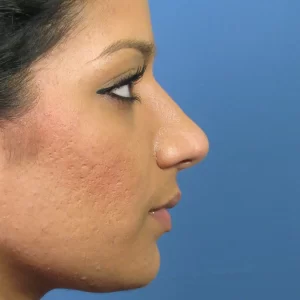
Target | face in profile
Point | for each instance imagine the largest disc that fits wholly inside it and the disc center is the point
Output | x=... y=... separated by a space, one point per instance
x=95 y=157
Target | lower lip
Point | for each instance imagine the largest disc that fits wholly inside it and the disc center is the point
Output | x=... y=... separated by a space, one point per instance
x=163 y=217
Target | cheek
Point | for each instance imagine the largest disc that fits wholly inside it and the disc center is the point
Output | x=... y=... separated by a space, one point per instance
x=98 y=173
x=86 y=191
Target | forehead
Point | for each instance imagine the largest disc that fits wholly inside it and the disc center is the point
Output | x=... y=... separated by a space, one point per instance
x=100 y=24
x=111 y=20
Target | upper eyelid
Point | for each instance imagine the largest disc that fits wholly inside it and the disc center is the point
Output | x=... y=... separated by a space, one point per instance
x=117 y=85
x=128 y=79
x=125 y=81
x=121 y=76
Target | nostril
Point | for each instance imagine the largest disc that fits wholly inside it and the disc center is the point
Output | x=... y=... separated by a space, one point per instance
x=186 y=161
x=185 y=164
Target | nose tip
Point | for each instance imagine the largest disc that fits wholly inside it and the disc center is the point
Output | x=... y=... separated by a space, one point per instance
x=196 y=149
x=182 y=148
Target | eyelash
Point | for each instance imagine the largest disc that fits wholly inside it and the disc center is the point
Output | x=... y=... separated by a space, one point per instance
x=130 y=80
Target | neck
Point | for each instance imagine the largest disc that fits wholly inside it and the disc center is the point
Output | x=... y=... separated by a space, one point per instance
x=18 y=283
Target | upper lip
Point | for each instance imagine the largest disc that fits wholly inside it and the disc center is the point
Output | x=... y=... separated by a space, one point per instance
x=171 y=203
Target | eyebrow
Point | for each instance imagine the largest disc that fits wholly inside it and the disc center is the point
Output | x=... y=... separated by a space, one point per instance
x=146 y=48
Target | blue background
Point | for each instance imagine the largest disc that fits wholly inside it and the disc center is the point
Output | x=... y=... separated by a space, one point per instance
x=234 y=68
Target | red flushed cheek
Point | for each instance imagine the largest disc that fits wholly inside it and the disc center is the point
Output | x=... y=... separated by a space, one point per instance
x=87 y=188
x=96 y=169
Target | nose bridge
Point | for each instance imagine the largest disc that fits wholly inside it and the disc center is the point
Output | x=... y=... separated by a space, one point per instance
x=179 y=142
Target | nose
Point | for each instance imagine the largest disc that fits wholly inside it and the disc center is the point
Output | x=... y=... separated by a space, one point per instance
x=179 y=142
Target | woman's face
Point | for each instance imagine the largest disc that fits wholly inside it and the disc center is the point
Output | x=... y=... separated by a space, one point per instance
x=86 y=168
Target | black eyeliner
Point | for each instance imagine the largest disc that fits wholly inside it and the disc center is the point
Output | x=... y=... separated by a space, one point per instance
x=129 y=80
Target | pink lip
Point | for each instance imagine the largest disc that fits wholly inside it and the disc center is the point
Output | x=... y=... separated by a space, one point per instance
x=163 y=217
x=161 y=213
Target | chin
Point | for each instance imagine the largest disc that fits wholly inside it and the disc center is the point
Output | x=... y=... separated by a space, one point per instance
x=133 y=278
x=135 y=275
x=130 y=282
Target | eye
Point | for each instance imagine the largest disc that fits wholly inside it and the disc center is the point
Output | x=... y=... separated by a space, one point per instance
x=123 y=91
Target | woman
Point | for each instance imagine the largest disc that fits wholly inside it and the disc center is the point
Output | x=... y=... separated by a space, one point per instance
x=90 y=146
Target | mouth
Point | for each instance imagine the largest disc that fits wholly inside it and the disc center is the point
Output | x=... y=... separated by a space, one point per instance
x=161 y=213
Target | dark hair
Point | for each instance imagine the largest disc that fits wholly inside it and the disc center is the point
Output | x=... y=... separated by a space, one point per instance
x=29 y=29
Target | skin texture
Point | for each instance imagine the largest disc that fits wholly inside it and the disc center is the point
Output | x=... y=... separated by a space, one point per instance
x=80 y=172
